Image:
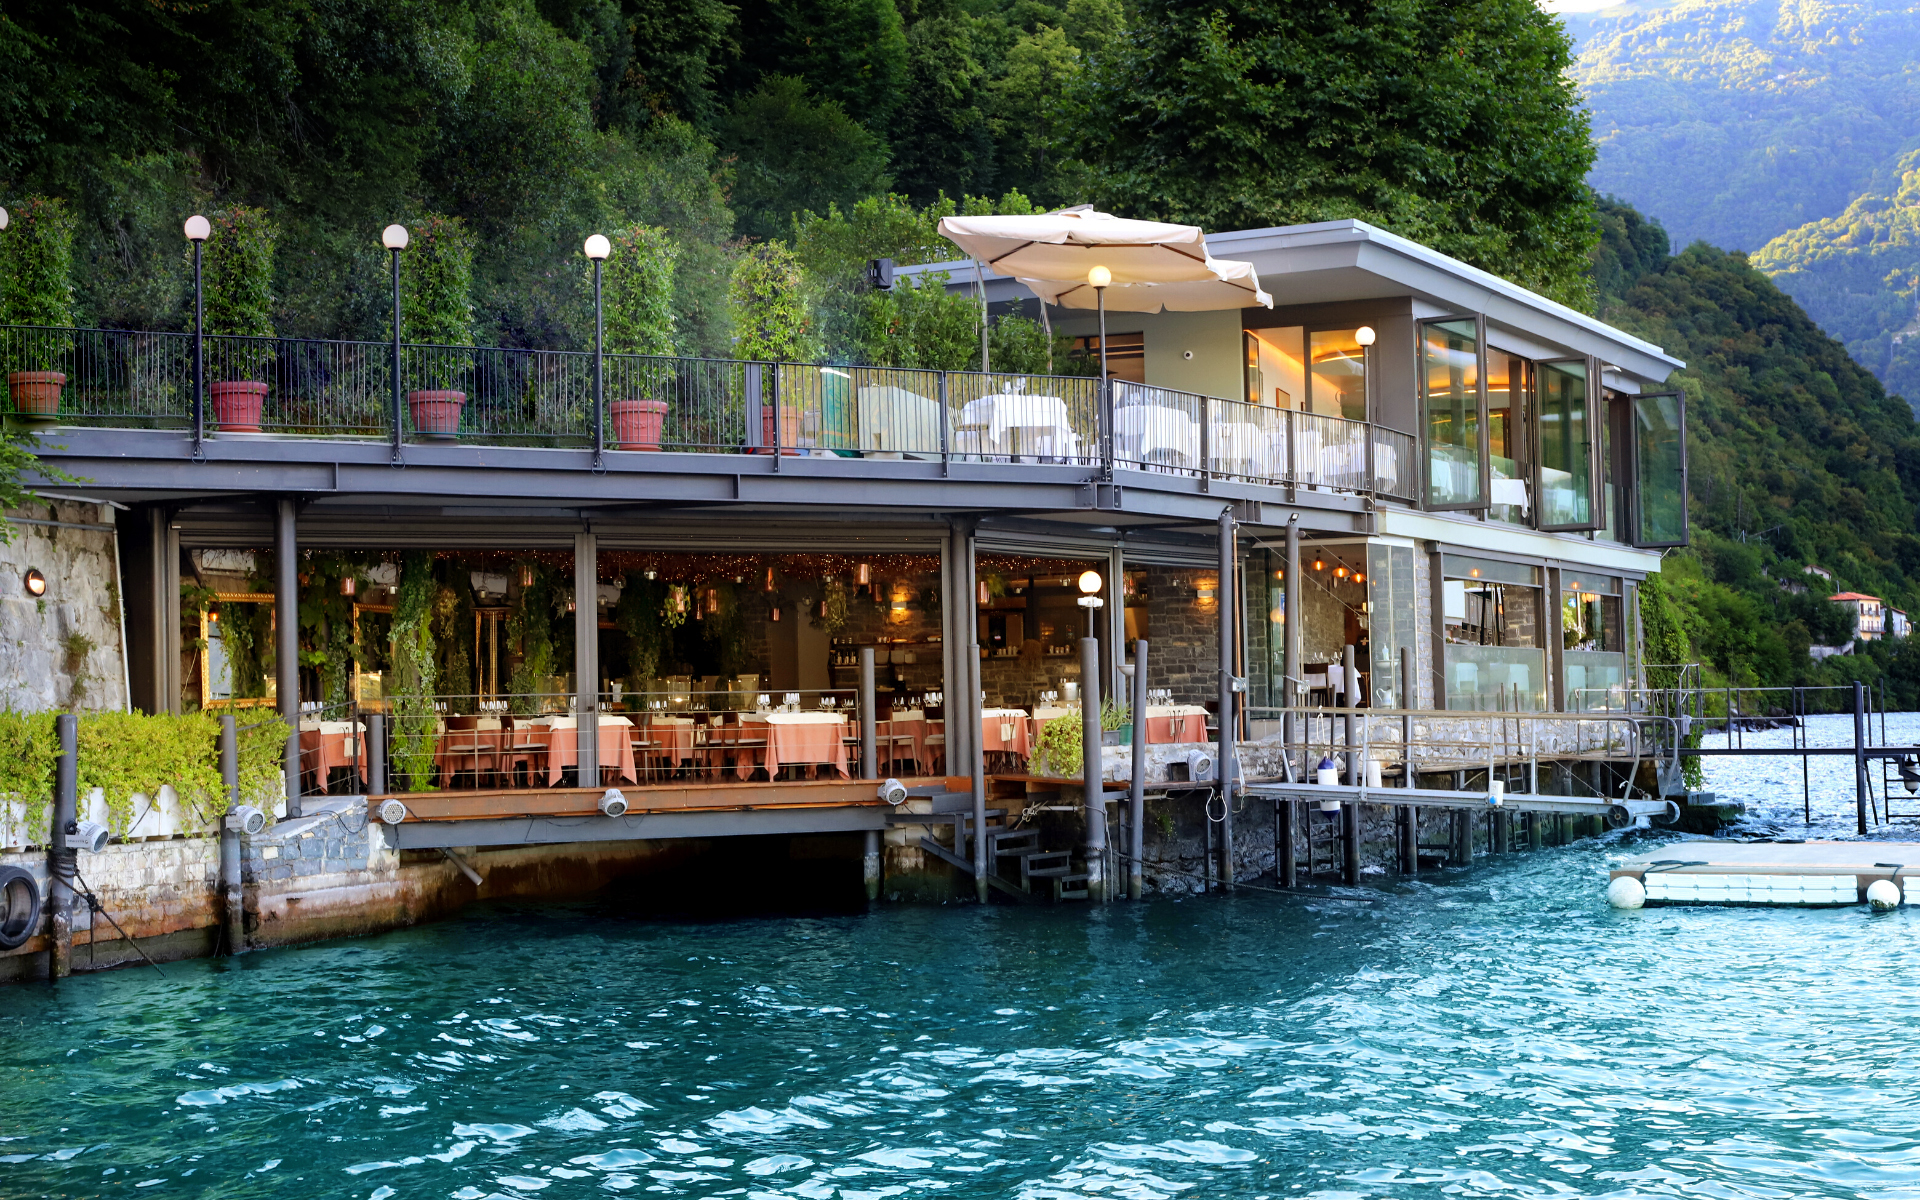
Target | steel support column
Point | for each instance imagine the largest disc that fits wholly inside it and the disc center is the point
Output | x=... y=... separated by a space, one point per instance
x=1290 y=648
x=586 y=653
x=286 y=617
x=1226 y=763
x=1093 y=787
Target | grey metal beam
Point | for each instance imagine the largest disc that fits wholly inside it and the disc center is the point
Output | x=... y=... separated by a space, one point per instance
x=525 y=831
x=1459 y=801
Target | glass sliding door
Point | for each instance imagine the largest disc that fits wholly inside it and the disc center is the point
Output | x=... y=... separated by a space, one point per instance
x=1566 y=457
x=1659 y=456
x=1495 y=660
x=1508 y=385
x=1454 y=397
x=1594 y=644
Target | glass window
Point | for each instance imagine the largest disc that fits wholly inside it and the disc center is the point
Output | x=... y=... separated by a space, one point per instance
x=1276 y=373
x=1126 y=355
x=1593 y=640
x=1566 y=449
x=1339 y=374
x=1495 y=658
x=1450 y=380
x=1660 y=470
x=1391 y=610
x=1507 y=382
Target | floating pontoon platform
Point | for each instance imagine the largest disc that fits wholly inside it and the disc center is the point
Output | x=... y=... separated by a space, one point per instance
x=1780 y=873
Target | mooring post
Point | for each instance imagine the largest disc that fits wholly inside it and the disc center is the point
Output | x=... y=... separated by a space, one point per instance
x=1290 y=732
x=232 y=916
x=1091 y=776
x=870 y=864
x=1137 y=783
x=377 y=754
x=62 y=859
x=1859 y=756
x=1356 y=771
x=869 y=768
x=286 y=607
x=1227 y=759
x=1286 y=866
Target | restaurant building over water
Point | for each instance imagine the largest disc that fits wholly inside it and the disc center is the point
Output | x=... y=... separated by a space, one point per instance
x=1449 y=486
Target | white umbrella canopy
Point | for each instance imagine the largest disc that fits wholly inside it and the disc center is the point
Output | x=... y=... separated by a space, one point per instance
x=1232 y=284
x=1069 y=243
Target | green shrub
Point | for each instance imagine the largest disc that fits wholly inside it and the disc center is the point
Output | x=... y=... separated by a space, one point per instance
x=238 y=272
x=27 y=751
x=36 y=264
x=768 y=304
x=638 y=292
x=1060 y=749
x=436 y=282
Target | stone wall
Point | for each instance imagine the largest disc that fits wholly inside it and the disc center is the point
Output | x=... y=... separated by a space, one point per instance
x=61 y=650
x=1183 y=634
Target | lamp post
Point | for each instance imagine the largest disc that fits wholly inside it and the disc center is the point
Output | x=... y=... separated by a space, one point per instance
x=597 y=249
x=394 y=238
x=1100 y=277
x=1365 y=336
x=197 y=230
x=1090 y=600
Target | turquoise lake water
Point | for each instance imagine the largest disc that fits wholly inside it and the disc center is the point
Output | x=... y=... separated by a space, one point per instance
x=1494 y=1032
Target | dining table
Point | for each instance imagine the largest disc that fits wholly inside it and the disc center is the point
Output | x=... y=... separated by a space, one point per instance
x=616 y=747
x=671 y=740
x=1017 y=425
x=1176 y=724
x=325 y=745
x=796 y=739
x=1005 y=730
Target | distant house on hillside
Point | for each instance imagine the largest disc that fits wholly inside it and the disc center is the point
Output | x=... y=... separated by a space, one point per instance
x=1822 y=572
x=1869 y=614
x=1896 y=623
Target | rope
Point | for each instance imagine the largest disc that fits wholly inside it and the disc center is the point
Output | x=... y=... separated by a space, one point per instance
x=93 y=903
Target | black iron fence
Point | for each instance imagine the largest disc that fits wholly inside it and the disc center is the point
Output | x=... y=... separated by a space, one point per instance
x=499 y=396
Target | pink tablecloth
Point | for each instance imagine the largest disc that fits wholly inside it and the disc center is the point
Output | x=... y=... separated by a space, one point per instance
x=807 y=744
x=1165 y=731
x=455 y=750
x=321 y=752
x=616 y=750
x=1013 y=723
x=672 y=741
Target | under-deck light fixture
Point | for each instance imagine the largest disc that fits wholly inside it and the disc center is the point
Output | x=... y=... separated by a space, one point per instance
x=526 y=577
x=348 y=585
x=1318 y=565
x=863 y=574
x=982 y=592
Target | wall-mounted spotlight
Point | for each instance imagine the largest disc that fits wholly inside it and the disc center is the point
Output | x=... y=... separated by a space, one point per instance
x=36 y=583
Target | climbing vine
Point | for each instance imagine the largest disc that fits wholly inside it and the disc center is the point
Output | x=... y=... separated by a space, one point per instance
x=414 y=672
x=453 y=634
x=530 y=626
x=638 y=616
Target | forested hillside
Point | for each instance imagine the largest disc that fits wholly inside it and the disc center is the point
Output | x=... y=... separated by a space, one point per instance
x=1790 y=131
x=536 y=122
x=1798 y=457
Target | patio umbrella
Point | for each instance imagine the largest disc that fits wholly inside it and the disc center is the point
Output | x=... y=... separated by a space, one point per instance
x=1067 y=244
x=1235 y=285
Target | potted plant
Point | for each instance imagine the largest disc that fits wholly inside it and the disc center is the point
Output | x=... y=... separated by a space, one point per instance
x=36 y=288
x=1116 y=724
x=638 y=297
x=767 y=302
x=436 y=304
x=239 y=300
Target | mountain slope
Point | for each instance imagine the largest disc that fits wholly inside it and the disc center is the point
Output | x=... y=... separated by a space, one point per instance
x=1733 y=121
x=1857 y=273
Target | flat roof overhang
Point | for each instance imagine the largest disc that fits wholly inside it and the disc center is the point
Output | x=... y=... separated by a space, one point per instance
x=455 y=488
x=1334 y=261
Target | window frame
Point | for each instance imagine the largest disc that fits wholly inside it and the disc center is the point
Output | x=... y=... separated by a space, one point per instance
x=1426 y=425
x=1307 y=331
x=1633 y=471
x=1596 y=482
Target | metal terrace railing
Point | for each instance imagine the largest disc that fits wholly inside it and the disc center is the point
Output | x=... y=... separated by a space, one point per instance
x=499 y=396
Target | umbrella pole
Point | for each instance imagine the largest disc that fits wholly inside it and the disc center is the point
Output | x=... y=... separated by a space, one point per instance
x=1046 y=323
x=980 y=281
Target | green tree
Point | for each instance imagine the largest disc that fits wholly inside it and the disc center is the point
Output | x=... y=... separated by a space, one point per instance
x=638 y=291
x=436 y=282
x=942 y=144
x=793 y=153
x=1032 y=114
x=850 y=52
x=768 y=302
x=36 y=263
x=238 y=272
x=1452 y=122
x=920 y=326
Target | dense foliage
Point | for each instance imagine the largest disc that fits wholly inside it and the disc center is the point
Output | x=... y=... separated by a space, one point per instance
x=237 y=272
x=436 y=282
x=1453 y=123
x=36 y=263
x=638 y=292
x=1797 y=458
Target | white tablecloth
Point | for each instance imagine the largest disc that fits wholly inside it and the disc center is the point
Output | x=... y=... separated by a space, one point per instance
x=1006 y=423
x=894 y=420
x=1156 y=433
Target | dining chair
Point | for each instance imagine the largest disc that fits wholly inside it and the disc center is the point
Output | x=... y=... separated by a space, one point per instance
x=523 y=750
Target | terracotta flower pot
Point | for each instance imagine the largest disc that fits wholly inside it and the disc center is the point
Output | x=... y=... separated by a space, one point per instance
x=36 y=393
x=236 y=406
x=436 y=414
x=637 y=423
x=767 y=432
